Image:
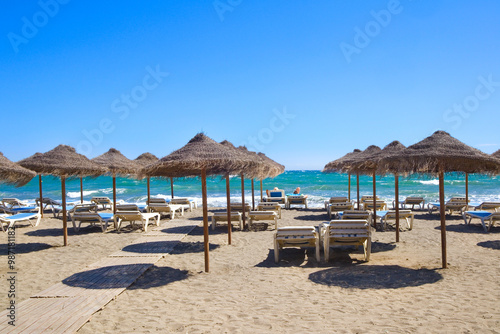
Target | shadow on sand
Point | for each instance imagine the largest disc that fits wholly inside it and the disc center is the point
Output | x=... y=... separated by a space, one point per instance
x=493 y=244
x=162 y=247
x=25 y=247
x=374 y=277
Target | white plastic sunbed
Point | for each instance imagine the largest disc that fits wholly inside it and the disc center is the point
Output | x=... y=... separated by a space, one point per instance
x=296 y=236
x=483 y=216
x=10 y=221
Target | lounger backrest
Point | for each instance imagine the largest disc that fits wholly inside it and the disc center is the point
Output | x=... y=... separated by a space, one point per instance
x=129 y=215
x=82 y=208
x=11 y=202
x=379 y=203
x=179 y=201
x=277 y=193
x=402 y=213
x=338 y=199
x=341 y=206
x=156 y=201
x=127 y=207
x=101 y=200
x=349 y=229
x=355 y=214
x=457 y=199
x=414 y=200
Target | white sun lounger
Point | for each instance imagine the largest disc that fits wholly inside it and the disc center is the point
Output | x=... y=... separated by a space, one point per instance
x=337 y=199
x=384 y=216
x=222 y=217
x=296 y=200
x=487 y=206
x=104 y=201
x=346 y=232
x=262 y=215
x=131 y=213
x=412 y=200
x=188 y=204
x=296 y=236
x=483 y=216
x=270 y=206
x=334 y=208
x=457 y=204
x=10 y=221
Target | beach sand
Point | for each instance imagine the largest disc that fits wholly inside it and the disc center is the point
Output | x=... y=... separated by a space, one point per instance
x=401 y=290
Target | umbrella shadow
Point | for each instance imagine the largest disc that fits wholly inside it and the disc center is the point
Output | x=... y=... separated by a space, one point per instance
x=463 y=228
x=375 y=277
x=123 y=276
x=162 y=247
x=58 y=232
x=159 y=276
x=493 y=244
x=290 y=257
x=314 y=217
x=25 y=248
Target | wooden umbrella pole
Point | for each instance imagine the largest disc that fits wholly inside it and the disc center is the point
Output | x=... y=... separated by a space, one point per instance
x=41 y=195
x=172 y=186
x=65 y=220
x=349 y=186
x=261 y=193
x=467 y=190
x=443 y=219
x=357 y=186
x=149 y=189
x=253 y=196
x=114 y=194
x=243 y=199
x=396 y=194
x=228 y=197
x=374 y=202
x=81 y=190
x=205 y=217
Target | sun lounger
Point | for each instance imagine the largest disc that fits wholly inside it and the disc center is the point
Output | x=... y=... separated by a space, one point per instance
x=487 y=206
x=85 y=213
x=222 y=217
x=262 y=215
x=157 y=200
x=356 y=214
x=277 y=196
x=335 y=200
x=296 y=200
x=484 y=216
x=365 y=199
x=457 y=204
x=131 y=213
x=346 y=232
x=380 y=205
x=334 y=208
x=13 y=203
x=239 y=207
x=420 y=201
x=165 y=209
x=296 y=236
x=104 y=201
x=188 y=204
x=270 y=206
x=10 y=221
x=391 y=215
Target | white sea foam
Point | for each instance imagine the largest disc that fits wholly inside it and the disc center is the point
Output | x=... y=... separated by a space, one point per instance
x=433 y=182
x=76 y=194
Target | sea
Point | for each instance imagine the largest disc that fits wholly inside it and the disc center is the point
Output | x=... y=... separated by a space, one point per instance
x=317 y=185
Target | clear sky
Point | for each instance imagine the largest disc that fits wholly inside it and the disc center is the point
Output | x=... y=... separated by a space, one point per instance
x=303 y=81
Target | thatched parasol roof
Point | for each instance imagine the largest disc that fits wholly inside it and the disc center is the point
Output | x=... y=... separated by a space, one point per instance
x=10 y=172
x=441 y=153
x=199 y=153
x=254 y=168
x=261 y=168
x=275 y=168
x=146 y=159
x=337 y=165
x=116 y=163
x=372 y=161
x=62 y=161
x=355 y=164
x=496 y=154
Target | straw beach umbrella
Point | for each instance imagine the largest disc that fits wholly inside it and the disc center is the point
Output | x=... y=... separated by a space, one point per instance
x=201 y=156
x=62 y=161
x=496 y=154
x=258 y=172
x=238 y=154
x=12 y=173
x=436 y=155
x=336 y=166
x=117 y=165
x=144 y=160
x=372 y=163
x=271 y=169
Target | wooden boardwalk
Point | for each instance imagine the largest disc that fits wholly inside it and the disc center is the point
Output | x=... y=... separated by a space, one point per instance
x=68 y=305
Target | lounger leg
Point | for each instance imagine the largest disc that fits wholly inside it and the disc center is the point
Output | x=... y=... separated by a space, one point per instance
x=318 y=257
x=368 y=249
x=37 y=221
x=276 y=251
x=213 y=223
x=326 y=245
x=276 y=223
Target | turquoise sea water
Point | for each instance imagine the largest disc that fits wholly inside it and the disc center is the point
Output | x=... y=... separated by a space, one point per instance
x=318 y=186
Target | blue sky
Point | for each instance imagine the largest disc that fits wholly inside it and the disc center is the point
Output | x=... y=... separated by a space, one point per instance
x=304 y=82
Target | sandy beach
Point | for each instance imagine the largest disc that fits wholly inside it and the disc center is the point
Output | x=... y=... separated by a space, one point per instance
x=402 y=289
